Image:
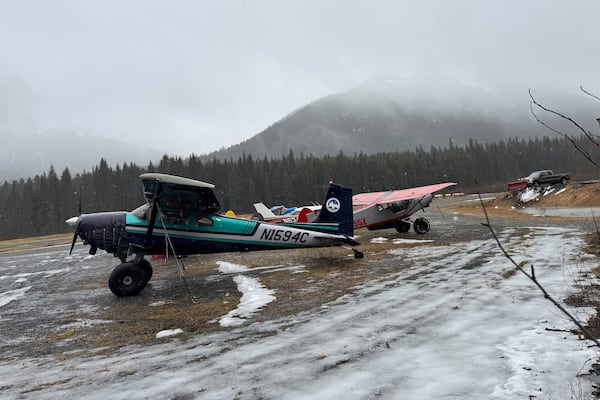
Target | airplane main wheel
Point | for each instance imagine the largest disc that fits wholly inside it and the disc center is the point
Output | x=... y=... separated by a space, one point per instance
x=421 y=225
x=402 y=226
x=257 y=217
x=127 y=279
x=147 y=268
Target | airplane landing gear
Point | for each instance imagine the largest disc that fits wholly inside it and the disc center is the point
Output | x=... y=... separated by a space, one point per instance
x=358 y=254
x=421 y=225
x=402 y=226
x=129 y=278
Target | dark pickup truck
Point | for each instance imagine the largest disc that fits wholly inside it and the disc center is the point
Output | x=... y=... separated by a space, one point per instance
x=537 y=178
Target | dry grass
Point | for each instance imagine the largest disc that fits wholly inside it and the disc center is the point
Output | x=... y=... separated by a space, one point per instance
x=35 y=242
x=507 y=206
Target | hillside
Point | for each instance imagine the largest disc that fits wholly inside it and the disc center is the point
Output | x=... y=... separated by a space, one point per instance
x=583 y=196
x=396 y=115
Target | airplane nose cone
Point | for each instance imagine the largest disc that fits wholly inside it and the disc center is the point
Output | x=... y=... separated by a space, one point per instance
x=104 y=230
x=72 y=221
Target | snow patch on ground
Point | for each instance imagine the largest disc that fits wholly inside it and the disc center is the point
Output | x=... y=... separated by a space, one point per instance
x=529 y=194
x=411 y=241
x=168 y=333
x=12 y=295
x=231 y=268
x=254 y=295
x=379 y=240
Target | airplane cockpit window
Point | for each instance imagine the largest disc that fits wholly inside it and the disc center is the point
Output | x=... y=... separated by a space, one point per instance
x=142 y=211
x=185 y=201
x=400 y=206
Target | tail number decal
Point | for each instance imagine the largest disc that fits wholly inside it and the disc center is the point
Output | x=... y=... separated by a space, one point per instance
x=359 y=223
x=281 y=235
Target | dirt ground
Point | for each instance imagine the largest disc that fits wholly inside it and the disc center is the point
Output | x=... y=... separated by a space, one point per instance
x=506 y=204
x=194 y=303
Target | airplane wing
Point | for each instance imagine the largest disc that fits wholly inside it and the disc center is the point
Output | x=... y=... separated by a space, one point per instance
x=393 y=196
x=178 y=194
x=263 y=210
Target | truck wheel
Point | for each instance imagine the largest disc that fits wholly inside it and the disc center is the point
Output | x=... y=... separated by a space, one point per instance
x=563 y=181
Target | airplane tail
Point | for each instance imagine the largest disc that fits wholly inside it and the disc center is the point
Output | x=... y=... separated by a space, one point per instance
x=338 y=209
x=263 y=210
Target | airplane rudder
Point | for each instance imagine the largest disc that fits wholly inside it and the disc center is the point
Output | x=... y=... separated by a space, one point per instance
x=338 y=208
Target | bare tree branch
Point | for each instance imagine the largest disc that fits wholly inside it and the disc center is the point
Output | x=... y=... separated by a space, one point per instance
x=580 y=149
x=532 y=277
x=588 y=134
x=588 y=93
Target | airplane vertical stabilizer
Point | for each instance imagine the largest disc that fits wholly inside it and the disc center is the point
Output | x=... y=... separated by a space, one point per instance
x=338 y=208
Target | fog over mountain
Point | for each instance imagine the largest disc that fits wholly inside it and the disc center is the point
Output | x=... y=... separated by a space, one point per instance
x=383 y=114
x=388 y=114
x=25 y=156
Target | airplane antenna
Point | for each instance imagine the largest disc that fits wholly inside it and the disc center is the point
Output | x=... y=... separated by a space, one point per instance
x=80 y=190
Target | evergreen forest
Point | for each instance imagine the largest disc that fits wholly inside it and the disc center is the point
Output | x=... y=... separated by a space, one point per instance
x=39 y=205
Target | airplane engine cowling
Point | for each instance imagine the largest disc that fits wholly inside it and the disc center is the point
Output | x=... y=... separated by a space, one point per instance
x=105 y=231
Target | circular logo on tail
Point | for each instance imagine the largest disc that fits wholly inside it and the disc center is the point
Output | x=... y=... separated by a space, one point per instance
x=333 y=205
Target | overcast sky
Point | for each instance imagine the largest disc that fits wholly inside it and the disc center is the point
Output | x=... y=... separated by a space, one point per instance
x=195 y=76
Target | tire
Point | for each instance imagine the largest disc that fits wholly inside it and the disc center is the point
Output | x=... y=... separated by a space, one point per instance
x=563 y=181
x=402 y=226
x=127 y=279
x=421 y=225
x=147 y=268
x=257 y=217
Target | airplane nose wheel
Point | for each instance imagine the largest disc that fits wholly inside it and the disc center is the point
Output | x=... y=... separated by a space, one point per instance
x=358 y=254
x=128 y=279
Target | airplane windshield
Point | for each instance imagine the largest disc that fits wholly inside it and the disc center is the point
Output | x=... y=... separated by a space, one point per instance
x=142 y=211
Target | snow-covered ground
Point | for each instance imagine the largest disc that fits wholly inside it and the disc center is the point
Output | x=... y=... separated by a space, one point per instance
x=451 y=325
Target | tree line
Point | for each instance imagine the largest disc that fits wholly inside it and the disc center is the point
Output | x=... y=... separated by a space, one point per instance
x=40 y=205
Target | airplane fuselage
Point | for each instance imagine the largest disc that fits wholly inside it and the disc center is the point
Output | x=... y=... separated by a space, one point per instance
x=387 y=214
x=202 y=233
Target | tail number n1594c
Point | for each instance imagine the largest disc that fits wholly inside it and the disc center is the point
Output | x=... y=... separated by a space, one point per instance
x=282 y=235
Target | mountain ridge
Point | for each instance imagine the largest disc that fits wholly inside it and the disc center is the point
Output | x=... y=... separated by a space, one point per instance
x=384 y=114
x=394 y=115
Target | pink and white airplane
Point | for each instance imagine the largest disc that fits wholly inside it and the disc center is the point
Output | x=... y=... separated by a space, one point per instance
x=393 y=208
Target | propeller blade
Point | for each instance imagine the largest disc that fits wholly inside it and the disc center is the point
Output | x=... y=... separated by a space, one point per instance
x=73 y=244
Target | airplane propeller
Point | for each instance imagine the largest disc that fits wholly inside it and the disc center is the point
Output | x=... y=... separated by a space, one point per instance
x=73 y=222
x=73 y=243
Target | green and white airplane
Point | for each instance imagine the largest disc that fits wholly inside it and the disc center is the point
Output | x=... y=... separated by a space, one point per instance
x=182 y=214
